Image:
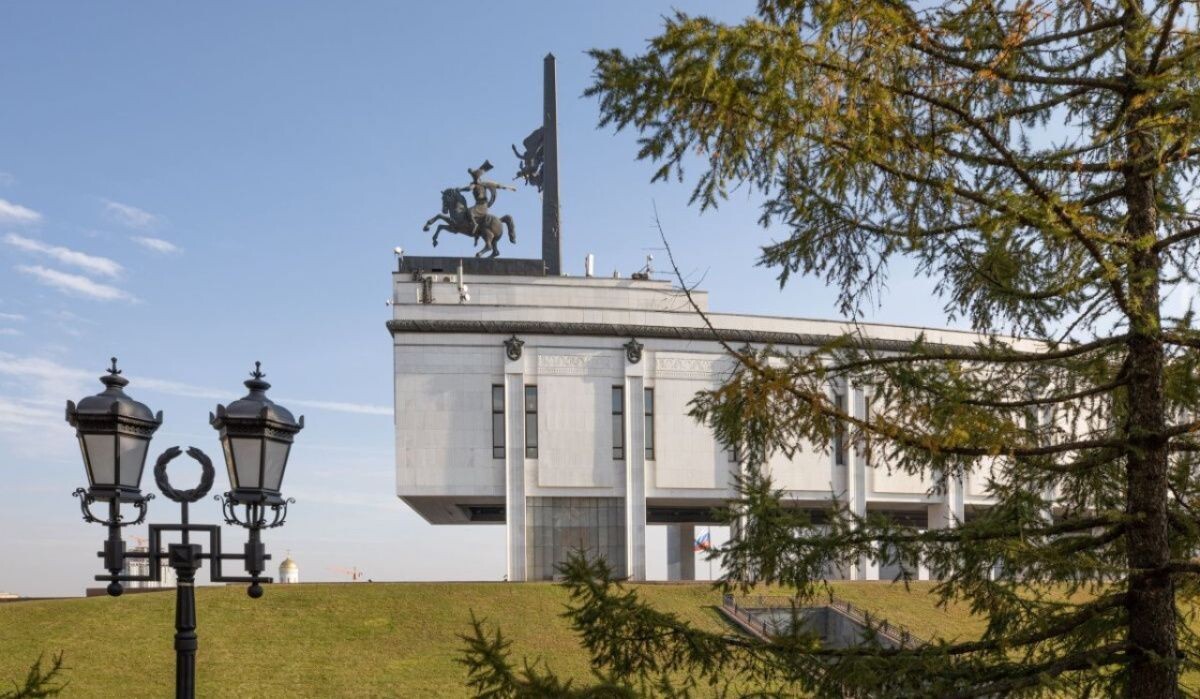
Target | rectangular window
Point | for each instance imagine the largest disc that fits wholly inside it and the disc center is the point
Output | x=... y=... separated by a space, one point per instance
x=840 y=452
x=531 y=436
x=497 y=421
x=618 y=422
x=649 y=397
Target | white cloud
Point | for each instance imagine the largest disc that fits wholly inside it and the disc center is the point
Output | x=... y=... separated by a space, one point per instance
x=185 y=390
x=41 y=368
x=66 y=381
x=130 y=215
x=10 y=332
x=341 y=407
x=17 y=214
x=32 y=426
x=165 y=247
x=89 y=263
x=22 y=414
x=15 y=317
x=45 y=384
x=75 y=284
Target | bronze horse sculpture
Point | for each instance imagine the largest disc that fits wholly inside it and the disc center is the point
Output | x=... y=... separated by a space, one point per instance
x=457 y=218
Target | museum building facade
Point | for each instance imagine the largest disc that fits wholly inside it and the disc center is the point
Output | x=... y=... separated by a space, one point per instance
x=557 y=407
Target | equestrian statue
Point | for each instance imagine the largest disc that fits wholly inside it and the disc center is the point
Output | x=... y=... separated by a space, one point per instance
x=476 y=221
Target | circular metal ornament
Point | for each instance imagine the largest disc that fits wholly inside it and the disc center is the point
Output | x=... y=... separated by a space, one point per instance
x=207 y=475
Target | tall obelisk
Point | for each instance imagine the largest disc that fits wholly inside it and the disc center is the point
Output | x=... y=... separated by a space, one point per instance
x=551 y=222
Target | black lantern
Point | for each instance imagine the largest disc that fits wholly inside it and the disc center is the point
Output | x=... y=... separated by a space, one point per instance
x=256 y=435
x=114 y=433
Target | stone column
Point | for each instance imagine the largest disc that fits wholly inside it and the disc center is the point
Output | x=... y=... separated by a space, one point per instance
x=856 y=479
x=514 y=466
x=946 y=514
x=681 y=555
x=635 y=471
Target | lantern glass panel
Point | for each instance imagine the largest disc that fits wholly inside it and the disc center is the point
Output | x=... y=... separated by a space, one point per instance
x=247 y=457
x=101 y=458
x=133 y=455
x=83 y=450
x=277 y=454
x=229 y=466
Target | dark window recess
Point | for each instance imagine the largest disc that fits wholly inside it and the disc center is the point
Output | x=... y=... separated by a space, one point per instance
x=649 y=397
x=497 y=422
x=484 y=513
x=618 y=422
x=531 y=422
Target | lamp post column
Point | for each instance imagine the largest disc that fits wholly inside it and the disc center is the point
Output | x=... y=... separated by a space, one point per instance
x=185 y=559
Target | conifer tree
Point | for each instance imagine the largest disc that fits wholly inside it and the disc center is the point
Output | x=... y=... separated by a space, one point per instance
x=1037 y=158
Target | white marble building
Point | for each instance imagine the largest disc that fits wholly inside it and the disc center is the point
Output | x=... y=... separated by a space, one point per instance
x=141 y=567
x=289 y=572
x=575 y=432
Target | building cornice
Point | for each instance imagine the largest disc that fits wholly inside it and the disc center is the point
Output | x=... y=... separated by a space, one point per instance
x=625 y=331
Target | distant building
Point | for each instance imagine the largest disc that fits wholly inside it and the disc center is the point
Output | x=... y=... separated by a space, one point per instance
x=557 y=407
x=141 y=567
x=289 y=572
x=9 y=596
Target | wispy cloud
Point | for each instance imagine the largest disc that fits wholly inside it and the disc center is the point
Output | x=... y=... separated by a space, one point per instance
x=340 y=407
x=185 y=390
x=40 y=369
x=75 y=284
x=15 y=414
x=17 y=214
x=159 y=245
x=10 y=332
x=15 y=317
x=385 y=500
x=89 y=263
x=130 y=215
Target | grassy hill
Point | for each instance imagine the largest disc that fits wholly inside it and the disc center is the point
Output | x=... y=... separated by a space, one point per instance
x=359 y=640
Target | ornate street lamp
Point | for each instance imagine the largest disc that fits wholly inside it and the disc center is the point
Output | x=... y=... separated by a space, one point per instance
x=114 y=431
x=114 y=434
x=256 y=435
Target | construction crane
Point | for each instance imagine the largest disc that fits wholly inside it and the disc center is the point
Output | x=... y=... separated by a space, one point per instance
x=354 y=573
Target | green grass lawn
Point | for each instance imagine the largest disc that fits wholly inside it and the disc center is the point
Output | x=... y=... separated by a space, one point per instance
x=355 y=640
x=350 y=640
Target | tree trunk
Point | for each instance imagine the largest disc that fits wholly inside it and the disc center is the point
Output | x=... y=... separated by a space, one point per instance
x=1153 y=673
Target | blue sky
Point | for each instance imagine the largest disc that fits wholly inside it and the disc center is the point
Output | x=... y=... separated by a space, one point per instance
x=193 y=187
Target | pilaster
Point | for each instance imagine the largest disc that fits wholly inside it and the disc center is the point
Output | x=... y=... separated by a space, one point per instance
x=635 y=470
x=514 y=466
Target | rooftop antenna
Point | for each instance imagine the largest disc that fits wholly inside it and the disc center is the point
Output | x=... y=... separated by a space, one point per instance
x=464 y=294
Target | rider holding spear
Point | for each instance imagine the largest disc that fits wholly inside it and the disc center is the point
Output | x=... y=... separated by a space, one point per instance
x=484 y=192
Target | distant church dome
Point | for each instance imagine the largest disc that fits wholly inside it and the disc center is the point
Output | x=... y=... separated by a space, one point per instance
x=289 y=572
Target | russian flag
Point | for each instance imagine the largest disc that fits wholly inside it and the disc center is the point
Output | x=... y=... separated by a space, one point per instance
x=703 y=542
